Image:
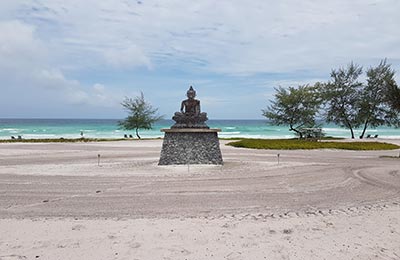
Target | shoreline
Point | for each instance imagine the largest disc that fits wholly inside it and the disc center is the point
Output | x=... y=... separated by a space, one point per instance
x=76 y=137
x=98 y=128
x=133 y=140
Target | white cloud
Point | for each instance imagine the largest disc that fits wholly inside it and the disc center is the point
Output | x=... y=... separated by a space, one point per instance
x=53 y=80
x=9 y=8
x=73 y=92
x=129 y=57
x=222 y=36
x=18 y=46
x=97 y=95
x=24 y=65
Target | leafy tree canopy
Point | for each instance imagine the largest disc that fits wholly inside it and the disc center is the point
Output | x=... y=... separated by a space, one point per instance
x=141 y=115
x=376 y=108
x=294 y=107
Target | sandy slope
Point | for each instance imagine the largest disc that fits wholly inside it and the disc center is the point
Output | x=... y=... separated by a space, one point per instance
x=57 y=203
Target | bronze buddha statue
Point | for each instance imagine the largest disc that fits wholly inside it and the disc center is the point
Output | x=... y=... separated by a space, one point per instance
x=190 y=115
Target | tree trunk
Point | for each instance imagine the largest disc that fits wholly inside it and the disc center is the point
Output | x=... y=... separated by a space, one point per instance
x=352 y=132
x=365 y=129
x=137 y=133
x=297 y=131
x=349 y=125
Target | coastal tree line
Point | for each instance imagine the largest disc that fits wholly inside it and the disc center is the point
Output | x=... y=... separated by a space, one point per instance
x=344 y=100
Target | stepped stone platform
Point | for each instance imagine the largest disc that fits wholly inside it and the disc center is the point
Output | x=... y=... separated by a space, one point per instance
x=190 y=146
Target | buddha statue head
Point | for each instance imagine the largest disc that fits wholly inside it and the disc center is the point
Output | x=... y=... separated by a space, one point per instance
x=191 y=93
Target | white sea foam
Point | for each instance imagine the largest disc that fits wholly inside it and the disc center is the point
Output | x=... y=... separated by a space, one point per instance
x=328 y=129
x=10 y=129
x=389 y=136
x=39 y=136
x=229 y=133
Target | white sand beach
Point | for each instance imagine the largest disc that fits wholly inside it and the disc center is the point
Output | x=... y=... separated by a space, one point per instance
x=57 y=202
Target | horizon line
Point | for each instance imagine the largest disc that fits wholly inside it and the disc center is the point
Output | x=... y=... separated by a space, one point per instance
x=82 y=118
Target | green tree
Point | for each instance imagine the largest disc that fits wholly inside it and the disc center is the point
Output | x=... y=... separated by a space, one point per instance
x=375 y=107
x=392 y=92
x=294 y=107
x=393 y=96
x=141 y=114
x=342 y=97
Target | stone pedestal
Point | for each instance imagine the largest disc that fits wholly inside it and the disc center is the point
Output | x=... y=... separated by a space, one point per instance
x=190 y=146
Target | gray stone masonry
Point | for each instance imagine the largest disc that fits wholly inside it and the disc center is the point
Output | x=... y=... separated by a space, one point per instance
x=190 y=146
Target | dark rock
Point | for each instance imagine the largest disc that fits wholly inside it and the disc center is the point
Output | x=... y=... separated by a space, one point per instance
x=197 y=146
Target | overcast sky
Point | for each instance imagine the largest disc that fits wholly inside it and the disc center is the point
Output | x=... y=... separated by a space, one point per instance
x=79 y=59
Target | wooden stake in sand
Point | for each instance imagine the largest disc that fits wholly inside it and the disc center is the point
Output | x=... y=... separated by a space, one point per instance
x=278 y=157
x=98 y=160
x=188 y=161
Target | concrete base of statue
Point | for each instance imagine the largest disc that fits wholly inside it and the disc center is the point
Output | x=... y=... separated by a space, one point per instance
x=190 y=146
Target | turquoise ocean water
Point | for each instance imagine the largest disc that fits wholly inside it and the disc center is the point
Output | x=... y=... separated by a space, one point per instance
x=108 y=128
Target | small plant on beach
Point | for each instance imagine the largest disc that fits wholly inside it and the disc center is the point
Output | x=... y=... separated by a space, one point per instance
x=141 y=114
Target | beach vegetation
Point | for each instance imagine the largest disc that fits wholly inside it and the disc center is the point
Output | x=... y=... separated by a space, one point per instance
x=66 y=140
x=60 y=140
x=375 y=106
x=341 y=97
x=344 y=100
x=141 y=114
x=393 y=96
x=390 y=156
x=295 y=107
x=295 y=144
